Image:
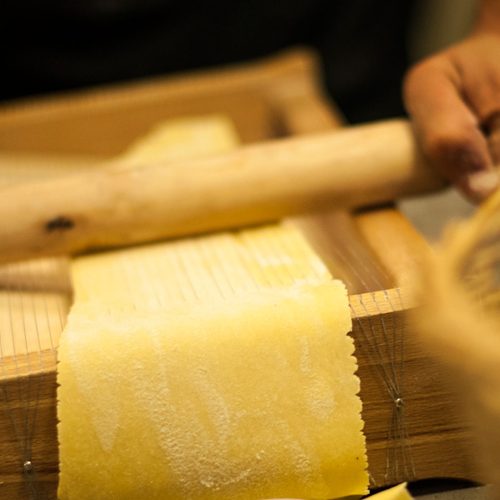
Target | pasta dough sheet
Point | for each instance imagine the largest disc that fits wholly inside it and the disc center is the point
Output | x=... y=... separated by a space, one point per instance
x=187 y=137
x=399 y=492
x=236 y=400
x=216 y=367
x=209 y=368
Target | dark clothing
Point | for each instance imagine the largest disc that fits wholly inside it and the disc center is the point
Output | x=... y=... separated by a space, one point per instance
x=65 y=44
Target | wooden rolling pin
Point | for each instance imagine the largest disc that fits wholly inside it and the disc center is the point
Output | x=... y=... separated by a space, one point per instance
x=124 y=204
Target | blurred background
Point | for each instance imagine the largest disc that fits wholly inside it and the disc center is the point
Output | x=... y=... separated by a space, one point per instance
x=365 y=45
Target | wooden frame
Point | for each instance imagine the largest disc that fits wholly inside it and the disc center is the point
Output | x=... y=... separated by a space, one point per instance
x=413 y=429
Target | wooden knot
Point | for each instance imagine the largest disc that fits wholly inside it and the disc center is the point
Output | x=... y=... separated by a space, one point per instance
x=60 y=223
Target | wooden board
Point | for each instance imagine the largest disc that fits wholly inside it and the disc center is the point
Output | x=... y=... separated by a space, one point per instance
x=413 y=427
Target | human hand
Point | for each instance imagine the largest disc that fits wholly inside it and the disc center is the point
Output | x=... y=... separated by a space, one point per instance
x=453 y=98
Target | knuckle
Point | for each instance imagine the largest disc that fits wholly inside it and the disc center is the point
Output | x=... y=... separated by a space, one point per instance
x=454 y=147
x=445 y=142
x=420 y=78
x=414 y=76
x=493 y=79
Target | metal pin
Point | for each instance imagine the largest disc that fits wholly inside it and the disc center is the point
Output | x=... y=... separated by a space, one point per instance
x=28 y=467
x=399 y=402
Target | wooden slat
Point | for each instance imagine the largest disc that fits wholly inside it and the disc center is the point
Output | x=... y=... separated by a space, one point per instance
x=425 y=435
x=397 y=244
x=342 y=247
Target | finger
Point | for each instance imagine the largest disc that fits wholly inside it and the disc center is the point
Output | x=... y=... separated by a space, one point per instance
x=480 y=73
x=483 y=97
x=448 y=130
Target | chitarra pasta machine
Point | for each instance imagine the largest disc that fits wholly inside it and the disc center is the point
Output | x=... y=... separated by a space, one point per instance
x=68 y=188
